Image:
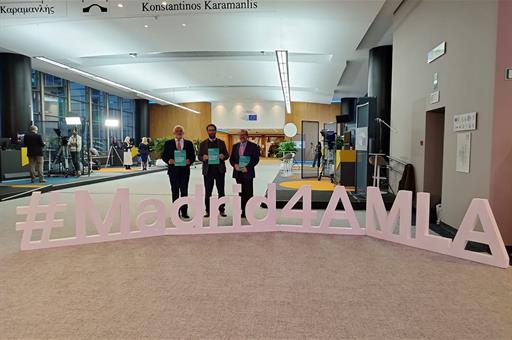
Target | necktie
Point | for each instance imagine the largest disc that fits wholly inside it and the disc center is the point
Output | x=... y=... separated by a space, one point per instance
x=241 y=149
x=178 y=144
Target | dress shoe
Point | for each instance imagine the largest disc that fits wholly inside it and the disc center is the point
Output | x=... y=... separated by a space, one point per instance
x=223 y=214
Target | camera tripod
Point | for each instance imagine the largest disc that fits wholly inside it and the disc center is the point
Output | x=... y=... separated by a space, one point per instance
x=111 y=151
x=62 y=158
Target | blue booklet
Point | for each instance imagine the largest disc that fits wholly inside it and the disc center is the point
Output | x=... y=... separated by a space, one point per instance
x=244 y=161
x=180 y=157
x=213 y=156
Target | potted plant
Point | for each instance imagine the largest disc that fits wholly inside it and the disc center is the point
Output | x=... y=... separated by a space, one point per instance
x=285 y=147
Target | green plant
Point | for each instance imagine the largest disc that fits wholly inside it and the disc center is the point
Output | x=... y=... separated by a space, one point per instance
x=158 y=146
x=196 y=143
x=339 y=142
x=286 y=146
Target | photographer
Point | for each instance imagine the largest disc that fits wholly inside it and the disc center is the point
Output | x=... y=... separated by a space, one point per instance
x=75 y=147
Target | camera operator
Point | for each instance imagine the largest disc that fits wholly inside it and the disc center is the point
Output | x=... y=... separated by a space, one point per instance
x=75 y=148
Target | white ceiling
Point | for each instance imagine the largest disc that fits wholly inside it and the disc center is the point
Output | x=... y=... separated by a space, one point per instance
x=210 y=56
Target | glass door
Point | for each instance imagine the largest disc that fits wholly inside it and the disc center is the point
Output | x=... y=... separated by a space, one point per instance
x=310 y=149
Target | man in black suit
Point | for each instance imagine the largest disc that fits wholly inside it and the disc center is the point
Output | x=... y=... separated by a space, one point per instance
x=34 y=143
x=179 y=172
x=213 y=173
x=244 y=175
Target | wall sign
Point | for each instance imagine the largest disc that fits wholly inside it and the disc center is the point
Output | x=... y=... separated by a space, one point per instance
x=508 y=74
x=153 y=214
x=465 y=122
x=436 y=52
x=34 y=9
x=463 y=159
x=434 y=97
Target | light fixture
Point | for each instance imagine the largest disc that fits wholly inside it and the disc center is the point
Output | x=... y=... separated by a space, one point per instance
x=164 y=3
x=146 y=26
x=111 y=122
x=120 y=5
x=73 y=121
x=113 y=84
x=282 y=64
x=184 y=25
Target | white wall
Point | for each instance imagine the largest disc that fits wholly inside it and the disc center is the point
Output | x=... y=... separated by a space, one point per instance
x=233 y=115
x=466 y=84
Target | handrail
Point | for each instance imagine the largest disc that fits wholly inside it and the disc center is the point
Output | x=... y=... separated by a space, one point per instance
x=397 y=160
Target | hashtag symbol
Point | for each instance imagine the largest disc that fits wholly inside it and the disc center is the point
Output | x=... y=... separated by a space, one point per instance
x=46 y=223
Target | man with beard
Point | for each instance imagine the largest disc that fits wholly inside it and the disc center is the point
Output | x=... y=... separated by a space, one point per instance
x=213 y=153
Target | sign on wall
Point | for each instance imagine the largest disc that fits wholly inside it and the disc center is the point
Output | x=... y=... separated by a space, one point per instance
x=463 y=159
x=436 y=52
x=465 y=122
x=33 y=9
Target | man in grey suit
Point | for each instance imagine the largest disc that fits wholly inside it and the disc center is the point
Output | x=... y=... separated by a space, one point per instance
x=213 y=153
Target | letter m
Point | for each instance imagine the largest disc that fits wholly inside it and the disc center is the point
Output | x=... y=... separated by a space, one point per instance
x=376 y=214
x=84 y=207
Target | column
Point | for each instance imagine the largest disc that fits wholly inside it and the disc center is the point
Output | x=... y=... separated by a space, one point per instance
x=15 y=94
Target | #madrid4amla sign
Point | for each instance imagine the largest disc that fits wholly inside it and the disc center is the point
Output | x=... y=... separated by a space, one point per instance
x=152 y=214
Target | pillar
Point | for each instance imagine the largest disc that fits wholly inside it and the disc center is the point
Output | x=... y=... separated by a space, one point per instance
x=141 y=119
x=15 y=94
x=379 y=86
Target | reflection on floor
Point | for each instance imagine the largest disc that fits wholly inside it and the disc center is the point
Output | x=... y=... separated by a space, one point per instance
x=23 y=187
x=289 y=182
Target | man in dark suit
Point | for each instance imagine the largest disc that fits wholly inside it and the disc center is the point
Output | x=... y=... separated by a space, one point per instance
x=213 y=173
x=34 y=143
x=244 y=175
x=178 y=170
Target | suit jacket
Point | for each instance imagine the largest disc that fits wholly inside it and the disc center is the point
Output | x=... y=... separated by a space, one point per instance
x=203 y=150
x=252 y=150
x=168 y=153
x=34 y=143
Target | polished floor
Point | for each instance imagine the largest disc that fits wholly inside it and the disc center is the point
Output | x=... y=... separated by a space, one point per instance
x=275 y=285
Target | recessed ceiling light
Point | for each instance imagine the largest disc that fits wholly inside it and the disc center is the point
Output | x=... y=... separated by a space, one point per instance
x=164 y=3
x=184 y=25
x=120 y=5
x=282 y=65
x=146 y=26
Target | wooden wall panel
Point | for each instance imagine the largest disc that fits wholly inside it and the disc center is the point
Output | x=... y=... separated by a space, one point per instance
x=323 y=113
x=162 y=119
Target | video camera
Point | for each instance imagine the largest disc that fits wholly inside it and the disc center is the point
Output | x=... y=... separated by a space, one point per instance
x=329 y=138
x=63 y=140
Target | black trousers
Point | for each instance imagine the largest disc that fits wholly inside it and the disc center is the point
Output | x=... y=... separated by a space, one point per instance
x=75 y=156
x=216 y=177
x=247 y=190
x=179 y=188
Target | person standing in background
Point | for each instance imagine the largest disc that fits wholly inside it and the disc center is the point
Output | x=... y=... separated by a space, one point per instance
x=144 y=153
x=245 y=155
x=75 y=148
x=318 y=154
x=179 y=154
x=213 y=153
x=127 y=153
x=34 y=143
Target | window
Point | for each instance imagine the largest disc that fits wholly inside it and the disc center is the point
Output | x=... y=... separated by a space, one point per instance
x=99 y=115
x=128 y=117
x=114 y=112
x=55 y=97
x=79 y=101
x=36 y=97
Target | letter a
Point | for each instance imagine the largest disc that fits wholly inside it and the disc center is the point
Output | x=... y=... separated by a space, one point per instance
x=480 y=208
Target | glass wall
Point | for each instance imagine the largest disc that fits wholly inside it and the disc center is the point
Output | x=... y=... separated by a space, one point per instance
x=54 y=98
